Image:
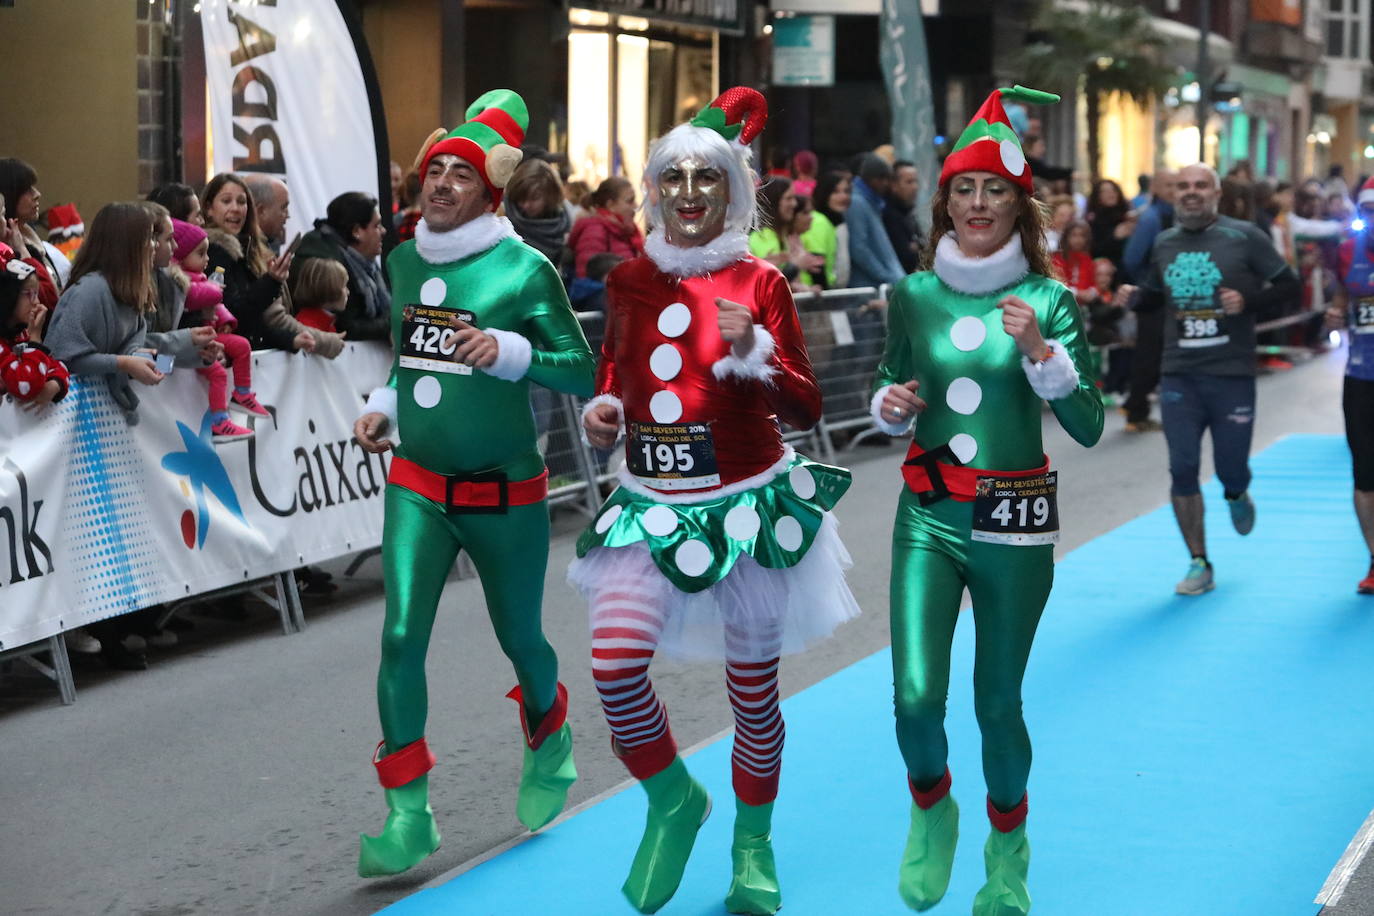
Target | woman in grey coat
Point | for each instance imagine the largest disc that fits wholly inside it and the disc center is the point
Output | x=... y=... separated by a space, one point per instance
x=100 y=325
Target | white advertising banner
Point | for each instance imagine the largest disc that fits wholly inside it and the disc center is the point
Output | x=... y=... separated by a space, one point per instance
x=99 y=518
x=289 y=99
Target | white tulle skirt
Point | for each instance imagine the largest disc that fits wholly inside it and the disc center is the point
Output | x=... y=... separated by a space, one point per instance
x=752 y=614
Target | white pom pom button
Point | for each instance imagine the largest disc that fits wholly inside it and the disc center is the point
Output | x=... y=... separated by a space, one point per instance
x=742 y=523
x=968 y=333
x=693 y=558
x=660 y=521
x=665 y=362
x=788 y=531
x=964 y=395
x=433 y=292
x=674 y=320
x=665 y=407
x=427 y=391
x=1012 y=158
x=803 y=482
x=607 y=519
x=964 y=447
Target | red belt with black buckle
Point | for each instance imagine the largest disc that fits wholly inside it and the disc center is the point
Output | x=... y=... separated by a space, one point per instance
x=486 y=493
x=953 y=480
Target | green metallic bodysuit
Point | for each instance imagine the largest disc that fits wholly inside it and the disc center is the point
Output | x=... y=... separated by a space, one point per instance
x=467 y=424
x=980 y=403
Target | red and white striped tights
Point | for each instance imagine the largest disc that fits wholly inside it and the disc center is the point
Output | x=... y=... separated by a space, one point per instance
x=627 y=623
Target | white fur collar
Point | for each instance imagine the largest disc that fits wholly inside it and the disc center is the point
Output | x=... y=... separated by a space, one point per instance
x=980 y=276
x=471 y=238
x=729 y=247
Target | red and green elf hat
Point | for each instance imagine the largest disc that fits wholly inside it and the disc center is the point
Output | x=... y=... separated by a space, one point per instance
x=489 y=139
x=737 y=114
x=989 y=144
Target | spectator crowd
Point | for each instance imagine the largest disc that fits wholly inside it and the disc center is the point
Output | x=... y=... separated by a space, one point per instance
x=197 y=281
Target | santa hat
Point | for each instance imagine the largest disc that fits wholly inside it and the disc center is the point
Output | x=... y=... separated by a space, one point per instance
x=64 y=222
x=989 y=144
x=720 y=134
x=185 y=238
x=1366 y=195
x=489 y=139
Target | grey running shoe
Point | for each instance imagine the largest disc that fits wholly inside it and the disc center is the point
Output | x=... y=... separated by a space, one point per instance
x=1242 y=512
x=1198 y=580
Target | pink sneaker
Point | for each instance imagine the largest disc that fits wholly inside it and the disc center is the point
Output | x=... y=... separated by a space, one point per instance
x=228 y=431
x=248 y=404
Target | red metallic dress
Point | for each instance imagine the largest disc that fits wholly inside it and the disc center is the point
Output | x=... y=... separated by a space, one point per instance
x=710 y=495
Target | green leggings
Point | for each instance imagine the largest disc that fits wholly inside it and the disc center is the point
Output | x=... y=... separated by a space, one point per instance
x=420 y=541
x=933 y=560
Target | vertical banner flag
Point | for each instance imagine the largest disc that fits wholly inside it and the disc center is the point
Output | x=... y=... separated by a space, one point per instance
x=293 y=95
x=906 y=69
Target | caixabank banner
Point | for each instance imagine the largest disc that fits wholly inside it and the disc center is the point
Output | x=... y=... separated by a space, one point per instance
x=100 y=517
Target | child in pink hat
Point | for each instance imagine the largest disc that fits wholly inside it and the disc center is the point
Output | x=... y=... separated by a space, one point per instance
x=205 y=305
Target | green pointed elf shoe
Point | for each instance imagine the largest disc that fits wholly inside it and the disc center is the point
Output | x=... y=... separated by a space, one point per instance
x=1007 y=858
x=929 y=856
x=410 y=834
x=754 y=887
x=678 y=806
x=548 y=770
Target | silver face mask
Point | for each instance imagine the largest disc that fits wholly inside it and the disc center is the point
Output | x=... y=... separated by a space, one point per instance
x=693 y=198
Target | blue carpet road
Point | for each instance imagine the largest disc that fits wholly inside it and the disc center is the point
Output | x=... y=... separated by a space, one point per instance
x=1193 y=755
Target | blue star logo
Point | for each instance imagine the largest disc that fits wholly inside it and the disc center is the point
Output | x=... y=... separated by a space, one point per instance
x=200 y=463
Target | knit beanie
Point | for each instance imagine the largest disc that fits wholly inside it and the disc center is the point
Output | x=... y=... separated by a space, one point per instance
x=186 y=237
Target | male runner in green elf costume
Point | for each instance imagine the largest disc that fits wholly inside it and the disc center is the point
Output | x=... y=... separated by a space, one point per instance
x=477 y=316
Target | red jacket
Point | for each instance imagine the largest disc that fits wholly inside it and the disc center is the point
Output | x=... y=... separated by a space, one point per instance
x=25 y=368
x=602 y=232
x=317 y=318
x=1076 y=267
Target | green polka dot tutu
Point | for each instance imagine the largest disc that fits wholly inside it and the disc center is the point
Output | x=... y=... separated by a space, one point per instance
x=758 y=564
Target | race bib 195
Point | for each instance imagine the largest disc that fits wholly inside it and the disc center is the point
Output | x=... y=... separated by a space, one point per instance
x=427 y=340
x=1022 y=511
x=672 y=456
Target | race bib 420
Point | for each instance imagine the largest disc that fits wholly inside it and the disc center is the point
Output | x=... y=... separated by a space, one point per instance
x=1022 y=511
x=427 y=340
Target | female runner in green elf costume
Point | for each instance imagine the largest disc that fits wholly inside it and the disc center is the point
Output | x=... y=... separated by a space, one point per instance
x=468 y=295
x=974 y=345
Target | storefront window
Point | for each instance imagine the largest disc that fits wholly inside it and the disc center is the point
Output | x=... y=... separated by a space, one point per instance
x=630 y=80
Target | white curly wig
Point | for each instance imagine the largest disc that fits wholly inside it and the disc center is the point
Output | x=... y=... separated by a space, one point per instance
x=735 y=160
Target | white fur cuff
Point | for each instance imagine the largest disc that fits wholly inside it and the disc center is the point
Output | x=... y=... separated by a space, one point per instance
x=755 y=363
x=875 y=408
x=383 y=400
x=597 y=402
x=1056 y=376
x=513 y=353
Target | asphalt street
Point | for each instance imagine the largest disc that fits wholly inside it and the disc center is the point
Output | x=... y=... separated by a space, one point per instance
x=234 y=775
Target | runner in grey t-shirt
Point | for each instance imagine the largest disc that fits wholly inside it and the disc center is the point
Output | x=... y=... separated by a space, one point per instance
x=1213 y=276
x=1190 y=268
